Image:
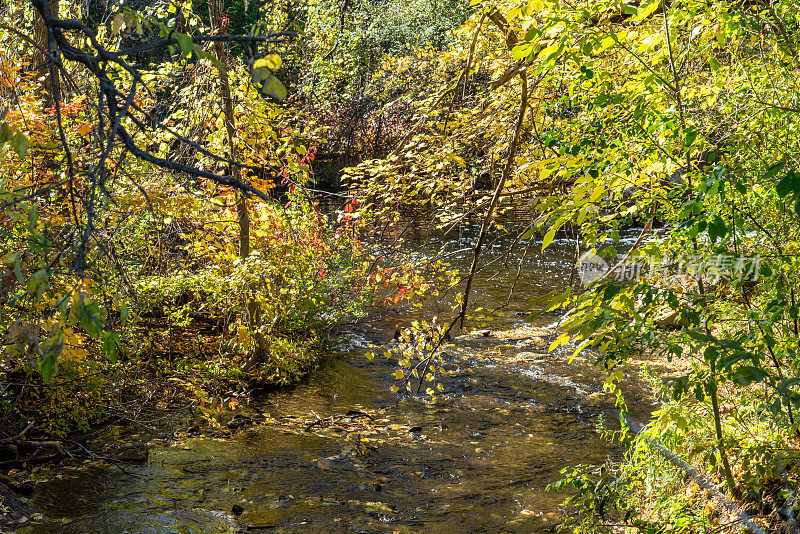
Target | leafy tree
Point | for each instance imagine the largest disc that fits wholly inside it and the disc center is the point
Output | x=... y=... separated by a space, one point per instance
x=679 y=118
x=120 y=180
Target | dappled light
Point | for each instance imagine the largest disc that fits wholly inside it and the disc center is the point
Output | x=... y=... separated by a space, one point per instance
x=384 y=266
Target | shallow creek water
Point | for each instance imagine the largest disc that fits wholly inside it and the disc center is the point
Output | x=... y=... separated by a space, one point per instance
x=478 y=460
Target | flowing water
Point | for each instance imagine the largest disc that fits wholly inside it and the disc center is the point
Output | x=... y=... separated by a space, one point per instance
x=477 y=460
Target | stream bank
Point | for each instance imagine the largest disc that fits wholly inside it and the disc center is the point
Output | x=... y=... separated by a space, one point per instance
x=340 y=453
x=477 y=460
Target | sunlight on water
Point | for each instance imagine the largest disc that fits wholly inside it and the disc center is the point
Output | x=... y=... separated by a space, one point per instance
x=510 y=417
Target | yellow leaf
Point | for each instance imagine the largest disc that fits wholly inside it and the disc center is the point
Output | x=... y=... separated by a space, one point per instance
x=646 y=10
x=608 y=42
x=272 y=61
x=548 y=237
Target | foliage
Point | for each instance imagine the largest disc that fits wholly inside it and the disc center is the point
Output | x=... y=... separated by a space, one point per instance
x=120 y=272
x=300 y=277
x=133 y=154
x=360 y=63
x=680 y=118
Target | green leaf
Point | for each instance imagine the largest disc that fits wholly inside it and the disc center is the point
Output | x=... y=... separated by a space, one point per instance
x=727 y=361
x=717 y=228
x=33 y=217
x=772 y=170
x=681 y=422
x=116 y=24
x=700 y=336
x=186 y=43
x=745 y=376
x=787 y=383
x=274 y=89
x=18 y=272
x=269 y=85
x=46 y=367
x=610 y=291
x=689 y=137
x=788 y=184
x=20 y=144
x=204 y=54
x=5 y=133
x=110 y=346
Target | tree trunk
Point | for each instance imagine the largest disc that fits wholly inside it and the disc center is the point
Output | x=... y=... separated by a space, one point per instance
x=50 y=88
x=215 y=11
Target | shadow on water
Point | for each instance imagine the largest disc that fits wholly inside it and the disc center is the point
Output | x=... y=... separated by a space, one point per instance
x=477 y=460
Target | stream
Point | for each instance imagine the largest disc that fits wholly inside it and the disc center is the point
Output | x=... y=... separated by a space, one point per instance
x=341 y=453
